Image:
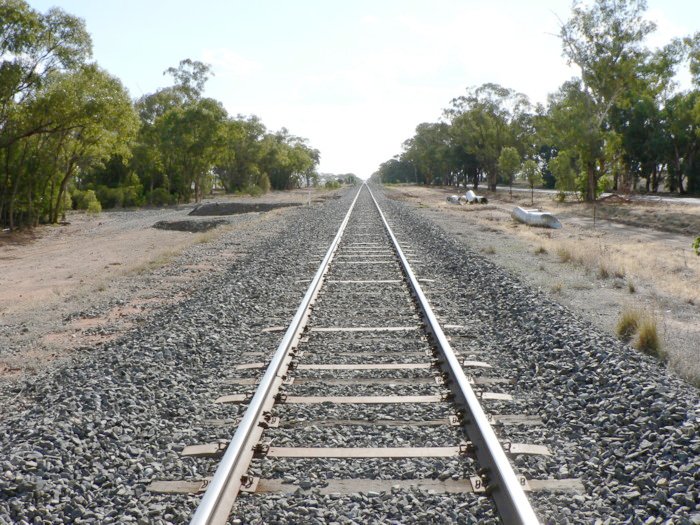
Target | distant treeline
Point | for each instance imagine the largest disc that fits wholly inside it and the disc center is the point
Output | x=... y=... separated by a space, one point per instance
x=71 y=137
x=619 y=126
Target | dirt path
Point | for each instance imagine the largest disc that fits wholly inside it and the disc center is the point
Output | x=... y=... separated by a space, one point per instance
x=595 y=271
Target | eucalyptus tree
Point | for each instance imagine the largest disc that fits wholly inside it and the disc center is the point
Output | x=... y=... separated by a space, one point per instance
x=564 y=169
x=93 y=119
x=33 y=48
x=681 y=128
x=604 y=39
x=396 y=170
x=192 y=140
x=428 y=150
x=239 y=166
x=287 y=159
x=182 y=134
x=509 y=165
x=533 y=176
x=484 y=121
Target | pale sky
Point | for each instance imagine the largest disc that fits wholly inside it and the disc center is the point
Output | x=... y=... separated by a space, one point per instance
x=354 y=77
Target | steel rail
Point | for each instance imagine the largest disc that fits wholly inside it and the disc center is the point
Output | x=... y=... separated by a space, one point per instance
x=503 y=485
x=217 y=502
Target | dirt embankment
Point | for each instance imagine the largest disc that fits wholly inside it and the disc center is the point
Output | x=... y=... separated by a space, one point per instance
x=637 y=255
x=79 y=285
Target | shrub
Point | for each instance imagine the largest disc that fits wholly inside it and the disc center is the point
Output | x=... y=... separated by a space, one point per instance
x=110 y=197
x=86 y=200
x=253 y=190
x=627 y=323
x=540 y=250
x=262 y=181
x=160 y=197
x=696 y=246
x=647 y=339
x=565 y=255
x=332 y=184
x=133 y=196
x=94 y=207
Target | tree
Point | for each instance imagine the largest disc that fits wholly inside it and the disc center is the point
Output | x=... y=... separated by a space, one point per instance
x=509 y=165
x=486 y=120
x=680 y=124
x=563 y=167
x=428 y=151
x=533 y=176
x=192 y=139
x=572 y=125
x=396 y=170
x=604 y=41
x=239 y=167
x=190 y=77
x=32 y=47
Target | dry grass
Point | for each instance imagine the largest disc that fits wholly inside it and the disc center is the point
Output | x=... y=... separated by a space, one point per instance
x=564 y=254
x=628 y=322
x=557 y=287
x=641 y=326
x=672 y=272
x=490 y=250
x=648 y=340
x=541 y=250
x=162 y=259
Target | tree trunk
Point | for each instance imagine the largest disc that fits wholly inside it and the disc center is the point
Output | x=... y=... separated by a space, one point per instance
x=591 y=186
x=61 y=192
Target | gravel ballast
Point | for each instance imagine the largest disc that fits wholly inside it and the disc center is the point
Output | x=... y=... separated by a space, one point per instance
x=92 y=434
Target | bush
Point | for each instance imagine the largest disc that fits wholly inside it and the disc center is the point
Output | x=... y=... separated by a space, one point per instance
x=94 y=206
x=332 y=184
x=642 y=326
x=262 y=181
x=253 y=190
x=86 y=200
x=160 y=197
x=696 y=246
x=133 y=196
x=648 y=340
x=110 y=197
x=627 y=323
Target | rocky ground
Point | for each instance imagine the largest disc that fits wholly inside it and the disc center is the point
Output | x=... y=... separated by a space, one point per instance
x=80 y=439
x=637 y=255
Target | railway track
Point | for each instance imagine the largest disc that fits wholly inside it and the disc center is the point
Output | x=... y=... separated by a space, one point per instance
x=366 y=395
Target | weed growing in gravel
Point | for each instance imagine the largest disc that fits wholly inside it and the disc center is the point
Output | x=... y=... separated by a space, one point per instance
x=628 y=322
x=647 y=339
x=603 y=272
x=642 y=326
x=631 y=288
x=541 y=250
x=557 y=287
x=490 y=250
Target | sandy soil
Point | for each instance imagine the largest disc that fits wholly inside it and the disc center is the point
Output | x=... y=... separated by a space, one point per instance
x=637 y=255
x=78 y=285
